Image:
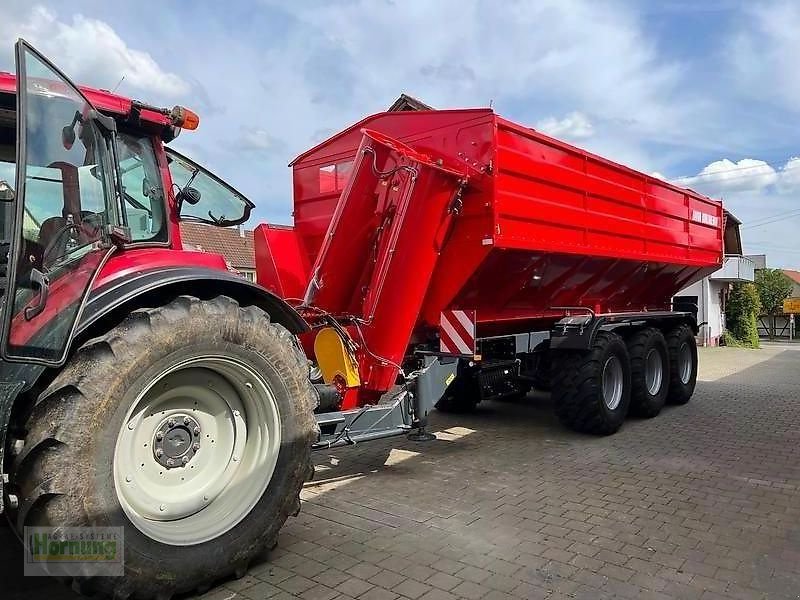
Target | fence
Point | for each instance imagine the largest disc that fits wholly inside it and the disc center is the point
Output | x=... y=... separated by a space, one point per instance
x=775 y=327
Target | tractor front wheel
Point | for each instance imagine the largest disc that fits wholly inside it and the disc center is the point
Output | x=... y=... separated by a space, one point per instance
x=190 y=427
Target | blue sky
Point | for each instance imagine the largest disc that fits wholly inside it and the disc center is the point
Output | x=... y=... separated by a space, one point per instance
x=703 y=93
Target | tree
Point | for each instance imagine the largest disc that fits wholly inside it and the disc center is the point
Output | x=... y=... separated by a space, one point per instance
x=741 y=312
x=773 y=288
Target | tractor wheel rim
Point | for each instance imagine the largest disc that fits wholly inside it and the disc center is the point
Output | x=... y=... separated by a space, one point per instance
x=197 y=450
x=653 y=371
x=612 y=382
x=685 y=363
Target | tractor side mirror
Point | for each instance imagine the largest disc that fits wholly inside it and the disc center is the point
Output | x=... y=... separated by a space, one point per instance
x=6 y=192
x=68 y=132
x=189 y=195
x=68 y=136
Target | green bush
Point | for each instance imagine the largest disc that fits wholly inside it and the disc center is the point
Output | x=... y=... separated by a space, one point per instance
x=729 y=340
x=741 y=314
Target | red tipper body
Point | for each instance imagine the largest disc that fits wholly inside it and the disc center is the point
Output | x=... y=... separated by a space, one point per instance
x=499 y=219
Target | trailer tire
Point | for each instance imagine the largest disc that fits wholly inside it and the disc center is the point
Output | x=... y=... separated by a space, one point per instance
x=682 y=347
x=592 y=390
x=649 y=372
x=172 y=367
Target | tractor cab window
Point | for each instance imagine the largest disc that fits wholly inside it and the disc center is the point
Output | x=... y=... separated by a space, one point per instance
x=142 y=189
x=66 y=208
x=59 y=213
x=205 y=197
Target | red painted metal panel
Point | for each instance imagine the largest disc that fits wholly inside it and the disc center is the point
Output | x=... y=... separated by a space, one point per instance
x=383 y=243
x=281 y=262
x=103 y=100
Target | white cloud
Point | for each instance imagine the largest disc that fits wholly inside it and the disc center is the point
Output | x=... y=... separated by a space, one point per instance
x=574 y=126
x=725 y=175
x=789 y=181
x=747 y=175
x=91 y=52
x=764 y=53
x=595 y=58
x=763 y=197
x=257 y=139
x=658 y=175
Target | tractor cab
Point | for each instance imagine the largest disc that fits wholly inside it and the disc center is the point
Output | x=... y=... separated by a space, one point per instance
x=84 y=174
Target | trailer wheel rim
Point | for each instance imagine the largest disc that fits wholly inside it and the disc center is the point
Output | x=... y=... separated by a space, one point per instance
x=612 y=382
x=183 y=495
x=685 y=363
x=653 y=371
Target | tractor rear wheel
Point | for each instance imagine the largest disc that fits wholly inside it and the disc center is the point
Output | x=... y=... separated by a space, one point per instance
x=189 y=426
x=592 y=390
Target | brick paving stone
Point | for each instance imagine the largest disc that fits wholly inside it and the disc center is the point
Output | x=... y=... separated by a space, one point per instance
x=700 y=503
x=354 y=586
x=411 y=588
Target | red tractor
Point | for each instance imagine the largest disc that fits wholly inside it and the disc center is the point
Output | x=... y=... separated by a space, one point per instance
x=437 y=258
x=142 y=385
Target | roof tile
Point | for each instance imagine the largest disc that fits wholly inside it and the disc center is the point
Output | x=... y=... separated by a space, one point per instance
x=236 y=247
x=793 y=275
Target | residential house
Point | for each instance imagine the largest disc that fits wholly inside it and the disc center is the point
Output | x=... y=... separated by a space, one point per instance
x=795 y=277
x=710 y=294
x=235 y=244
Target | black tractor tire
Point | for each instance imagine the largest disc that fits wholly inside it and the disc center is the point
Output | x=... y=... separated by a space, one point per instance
x=64 y=475
x=644 y=345
x=682 y=347
x=578 y=385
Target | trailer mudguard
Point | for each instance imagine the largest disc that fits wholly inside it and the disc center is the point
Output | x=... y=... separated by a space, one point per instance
x=134 y=291
x=577 y=332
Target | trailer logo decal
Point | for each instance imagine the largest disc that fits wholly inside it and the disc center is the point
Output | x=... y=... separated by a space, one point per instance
x=698 y=216
x=457 y=331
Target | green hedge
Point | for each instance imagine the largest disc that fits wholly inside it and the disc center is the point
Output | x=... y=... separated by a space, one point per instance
x=741 y=315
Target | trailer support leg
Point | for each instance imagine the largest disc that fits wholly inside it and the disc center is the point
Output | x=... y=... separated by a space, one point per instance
x=420 y=421
x=431 y=382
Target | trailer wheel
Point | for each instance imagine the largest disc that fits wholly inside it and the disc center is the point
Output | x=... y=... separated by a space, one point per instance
x=649 y=372
x=682 y=347
x=592 y=390
x=190 y=426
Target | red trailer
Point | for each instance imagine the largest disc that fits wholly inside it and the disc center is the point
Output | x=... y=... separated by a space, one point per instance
x=459 y=243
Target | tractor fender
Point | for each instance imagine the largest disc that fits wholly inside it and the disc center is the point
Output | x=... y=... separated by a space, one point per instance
x=154 y=286
x=111 y=301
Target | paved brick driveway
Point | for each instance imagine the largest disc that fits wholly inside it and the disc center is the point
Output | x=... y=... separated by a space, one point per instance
x=701 y=502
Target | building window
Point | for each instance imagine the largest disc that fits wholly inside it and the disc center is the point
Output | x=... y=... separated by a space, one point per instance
x=249 y=275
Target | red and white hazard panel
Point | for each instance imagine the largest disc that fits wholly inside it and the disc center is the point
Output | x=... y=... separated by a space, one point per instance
x=457 y=331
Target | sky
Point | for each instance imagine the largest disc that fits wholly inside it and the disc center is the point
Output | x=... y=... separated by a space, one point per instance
x=704 y=94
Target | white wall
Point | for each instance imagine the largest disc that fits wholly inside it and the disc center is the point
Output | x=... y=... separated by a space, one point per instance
x=709 y=309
